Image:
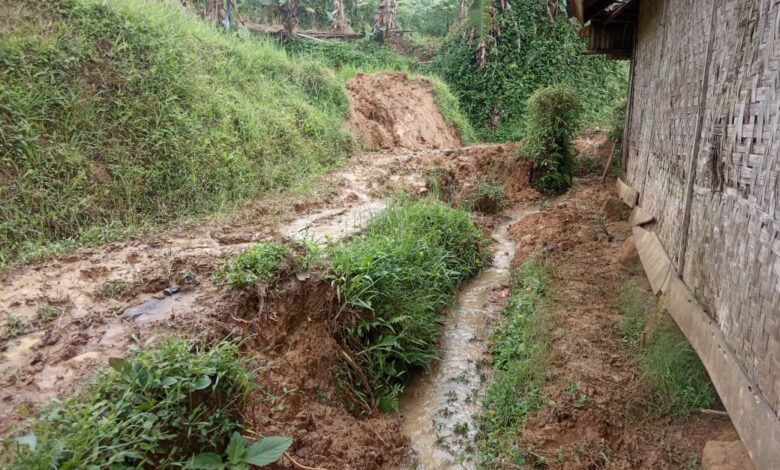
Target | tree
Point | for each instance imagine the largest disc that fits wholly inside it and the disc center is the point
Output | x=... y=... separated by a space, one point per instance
x=338 y=19
x=384 y=22
x=463 y=9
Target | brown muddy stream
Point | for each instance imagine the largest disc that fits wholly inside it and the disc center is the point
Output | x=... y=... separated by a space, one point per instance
x=440 y=409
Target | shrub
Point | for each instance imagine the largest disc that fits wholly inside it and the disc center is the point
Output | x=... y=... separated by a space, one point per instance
x=399 y=275
x=154 y=410
x=487 y=197
x=553 y=114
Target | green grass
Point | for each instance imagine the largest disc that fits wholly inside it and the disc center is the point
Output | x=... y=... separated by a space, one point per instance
x=397 y=277
x=154 y=410
x=671 y=367
x=450 y=109
x=520 y=351
x=120 y=114
x=257 y=264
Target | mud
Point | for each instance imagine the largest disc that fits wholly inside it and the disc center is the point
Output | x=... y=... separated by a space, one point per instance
x=616 y=428
x=394 y=111
x=435 y=407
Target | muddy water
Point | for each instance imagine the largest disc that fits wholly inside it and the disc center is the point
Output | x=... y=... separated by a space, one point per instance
x=439 y=409
x=333 y=225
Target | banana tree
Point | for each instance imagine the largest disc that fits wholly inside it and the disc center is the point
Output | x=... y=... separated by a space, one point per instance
x=288 y=10
x=384 y=22
x=338 y=18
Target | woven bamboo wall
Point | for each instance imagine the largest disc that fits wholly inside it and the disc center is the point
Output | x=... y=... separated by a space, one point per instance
x=704 y=153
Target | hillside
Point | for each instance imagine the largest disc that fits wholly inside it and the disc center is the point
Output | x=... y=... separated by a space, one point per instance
x=120 y=114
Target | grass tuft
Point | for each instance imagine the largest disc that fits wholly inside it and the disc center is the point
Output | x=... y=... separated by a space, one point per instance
x=258 y=264
x=154 y=410
x=520 y=351
x=401 y=273
x=669 y=364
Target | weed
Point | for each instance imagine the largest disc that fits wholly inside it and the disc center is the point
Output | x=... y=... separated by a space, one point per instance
x=119 y=289
x=552 y=121
x=400 y=274
x=669 y=364
x=441 y=184
x=573 y=390
x=155 y=409
x=519 y=354
x=258 y=264
x=47 y=313
x=461 y=429
x=13 y=327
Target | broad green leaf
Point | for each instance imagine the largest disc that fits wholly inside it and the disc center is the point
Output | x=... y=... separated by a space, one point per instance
x=201 y=383
x=206 y=461
x=120 y=365
x=267 y=450
x=168 y=381
x=236 y=449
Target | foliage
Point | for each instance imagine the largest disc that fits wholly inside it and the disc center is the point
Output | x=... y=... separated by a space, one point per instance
x=519 y=354
x=400 y=273
x=450 y=109
x=428 y=17
x=153 y=410
x=552 y=117
x=257 y=264
x=121 y=113
x=616 y=128
x=525 y=52
x=669 y=364
x=240 y=454
x=488 y=196
x=363 y=54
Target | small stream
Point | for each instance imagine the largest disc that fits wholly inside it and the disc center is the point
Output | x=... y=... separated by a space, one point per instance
x=440 y=409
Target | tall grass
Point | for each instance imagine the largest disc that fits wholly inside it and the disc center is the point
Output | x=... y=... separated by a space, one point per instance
x=121 y=113
x=520 y=351
x=669 y=364
x=399 y=275
x=155 y=410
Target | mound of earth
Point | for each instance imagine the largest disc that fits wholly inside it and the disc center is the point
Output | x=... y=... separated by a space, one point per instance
x=391 y=110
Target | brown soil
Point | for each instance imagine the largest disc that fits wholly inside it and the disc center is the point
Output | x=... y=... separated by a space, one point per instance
x=394 y=111
x=616 y=428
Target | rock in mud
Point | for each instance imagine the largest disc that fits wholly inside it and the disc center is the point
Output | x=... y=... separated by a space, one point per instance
x=629 y=256
x=725 y=455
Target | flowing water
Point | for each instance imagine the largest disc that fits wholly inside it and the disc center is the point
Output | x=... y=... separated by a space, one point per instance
x=440 y=409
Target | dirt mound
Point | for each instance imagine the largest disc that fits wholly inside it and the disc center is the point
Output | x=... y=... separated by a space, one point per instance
x=391 y=110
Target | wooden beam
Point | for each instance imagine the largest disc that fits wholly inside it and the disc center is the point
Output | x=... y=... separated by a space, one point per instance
x=620 y=11
x=593 y=7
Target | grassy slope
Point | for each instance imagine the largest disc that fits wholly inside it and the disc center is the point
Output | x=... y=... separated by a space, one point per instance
x=120 y=113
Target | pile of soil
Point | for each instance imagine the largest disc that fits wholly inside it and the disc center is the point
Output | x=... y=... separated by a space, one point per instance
x=616 y=428
x=393 y=111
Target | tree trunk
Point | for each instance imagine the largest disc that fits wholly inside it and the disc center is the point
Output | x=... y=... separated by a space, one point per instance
x=338 y=21
x=392 y=14
x=380 y=21
x=463 y=9
x=291 y=17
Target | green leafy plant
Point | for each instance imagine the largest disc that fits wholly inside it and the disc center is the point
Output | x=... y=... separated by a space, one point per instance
x=154 y=410
x=258 y=264
x=488 y=196
x=397 y=277
x=240 y=454
x=553 y=114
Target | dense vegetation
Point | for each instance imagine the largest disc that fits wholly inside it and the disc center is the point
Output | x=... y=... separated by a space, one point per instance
x=169 y=406
x=127 y=112
x=402 y=272
x=524 y=51
x=519 y=354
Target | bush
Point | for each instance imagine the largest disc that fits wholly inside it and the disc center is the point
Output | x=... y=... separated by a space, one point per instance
x=553 y=114
x=258 y=264
x=155 y=410
x=123 y=113
x=530 y=52
x=401 y=273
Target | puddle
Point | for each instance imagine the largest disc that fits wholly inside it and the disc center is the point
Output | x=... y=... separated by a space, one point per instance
x=155 y=310
x=440 y=408
x=334 y=224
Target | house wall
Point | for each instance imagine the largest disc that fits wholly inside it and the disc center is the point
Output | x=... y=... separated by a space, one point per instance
x=703 y=150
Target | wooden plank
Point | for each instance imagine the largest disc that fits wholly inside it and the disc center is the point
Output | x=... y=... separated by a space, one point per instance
x=657 y=264
x=752 y=415
x=640 y=216
x=628 y=194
